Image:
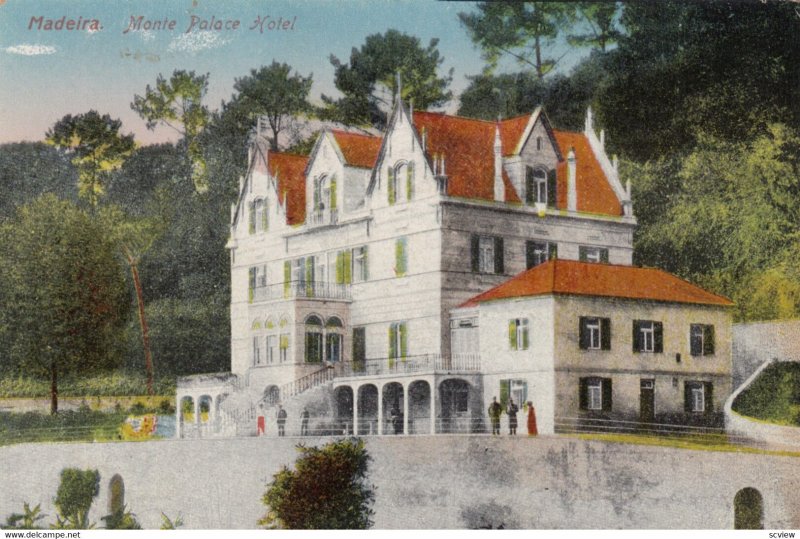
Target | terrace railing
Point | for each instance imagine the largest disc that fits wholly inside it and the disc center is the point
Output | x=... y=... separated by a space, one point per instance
x=426 y=363
x=302 y=290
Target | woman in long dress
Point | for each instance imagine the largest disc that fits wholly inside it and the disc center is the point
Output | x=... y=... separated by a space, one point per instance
x=532 y=420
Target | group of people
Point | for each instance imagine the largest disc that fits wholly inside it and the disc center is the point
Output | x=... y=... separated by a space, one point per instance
x=496 y=410
x=282 y=416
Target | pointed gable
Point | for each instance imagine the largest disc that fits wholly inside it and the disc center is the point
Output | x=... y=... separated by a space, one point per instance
x=358 y=150
x=511 y=133
x=468 y=149
x=289 y=171
x=570 y=277
x=595 y=194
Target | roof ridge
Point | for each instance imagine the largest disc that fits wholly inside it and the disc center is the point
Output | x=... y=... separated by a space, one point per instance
x=342 y=131
x=288 y=154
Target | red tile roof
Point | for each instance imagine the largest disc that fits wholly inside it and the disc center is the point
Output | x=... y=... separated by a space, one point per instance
x=358 y=150
x=289 y=170
x=595 y=194
x=511 y=132
x=570 y=277
x=468 y=148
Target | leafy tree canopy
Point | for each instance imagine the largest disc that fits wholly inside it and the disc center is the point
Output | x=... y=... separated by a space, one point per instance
x=369 y=80
x=326 y=490
x=274 y=93
x=76 y=492
x=96 y=148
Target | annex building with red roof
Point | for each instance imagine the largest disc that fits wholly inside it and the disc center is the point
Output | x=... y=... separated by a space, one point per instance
x=364 y=276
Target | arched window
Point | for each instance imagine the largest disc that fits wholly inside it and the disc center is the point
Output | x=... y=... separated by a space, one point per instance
x=333 y=340
x=535 y=185
x=748 y=510
x=313 y=339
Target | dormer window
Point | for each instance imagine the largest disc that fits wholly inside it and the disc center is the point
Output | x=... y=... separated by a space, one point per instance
x=536 y=185
x=258 y=216
x=400 y=174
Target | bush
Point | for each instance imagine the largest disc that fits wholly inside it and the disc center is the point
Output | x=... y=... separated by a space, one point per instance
x=327 y=490
x=74 y=498
x=27 y=520
x=121 y=519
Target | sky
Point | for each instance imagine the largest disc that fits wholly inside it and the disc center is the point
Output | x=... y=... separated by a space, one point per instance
x=46 y=72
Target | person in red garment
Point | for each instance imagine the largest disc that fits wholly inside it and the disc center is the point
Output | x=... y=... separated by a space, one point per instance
x=532 y=420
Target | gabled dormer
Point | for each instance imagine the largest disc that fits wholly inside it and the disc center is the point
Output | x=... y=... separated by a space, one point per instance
x=403 y=170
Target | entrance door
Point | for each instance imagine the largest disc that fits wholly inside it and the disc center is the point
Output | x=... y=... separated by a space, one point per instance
x=647 y=400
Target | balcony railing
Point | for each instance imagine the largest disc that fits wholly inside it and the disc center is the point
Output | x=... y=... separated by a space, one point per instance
x=427 y=363
x=301 y=289
x=323 y=217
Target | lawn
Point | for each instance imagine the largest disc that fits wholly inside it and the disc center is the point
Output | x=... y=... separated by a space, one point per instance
x=700 y=442
x=72 y=426
x=774 y=396
x=117 y=383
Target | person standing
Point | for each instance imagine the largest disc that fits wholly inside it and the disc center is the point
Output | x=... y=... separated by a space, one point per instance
x=494 y=414
x=532 y=431
x=512 y=417
x=304 y=422
x=281 y=421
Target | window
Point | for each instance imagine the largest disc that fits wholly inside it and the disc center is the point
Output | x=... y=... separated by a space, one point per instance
x=400 y=257
x=698 y=396
x=313 y=340
x=256 y=283
x=593 y=254
x=271 y=349
x=701 y=339
x=539 y=252
x=256 y=350
x=410 y=181
x=594 y=333
x=333 y=340
x=391 y=185
x=595 y=394
x=535 y=185
x=516 y=389
x=360 y=272
x=398 y=341
x=538 y=143
x=258 y=220
x=359 y=344
x=487 y=254
x=344 y=268
x=284 y=347
x=518 y=334
x=648 y=336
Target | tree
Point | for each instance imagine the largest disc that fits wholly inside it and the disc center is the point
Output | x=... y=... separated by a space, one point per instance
x=273 y=92
x=327 y=490
x=65 y=299
x=178 y=104
x=76 y=492
x=96 y=148
x=600 y=17
x=512 y=27
x=369 y=81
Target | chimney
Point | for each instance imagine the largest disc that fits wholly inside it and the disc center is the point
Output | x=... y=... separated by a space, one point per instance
x=572 y=187
x=627 y=204
x=499 y=188
x=589 y=120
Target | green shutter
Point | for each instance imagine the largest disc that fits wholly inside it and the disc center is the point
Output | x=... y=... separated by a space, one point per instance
x=251 y=285
x=333 y=193
x=708 y=340
x=552 y=251
x=310 y=277
x=505 y=392
x=512 y=334
x=403 y=340
x=265 y=216
x=316 y=194
x=340 y=267
x=525 y=337
x=251 y=207
x=347 y=266
x=392 y=341
x=365 y=264
x=400 y=257
x=390 y=186
x=287 y=277
x=410 y=181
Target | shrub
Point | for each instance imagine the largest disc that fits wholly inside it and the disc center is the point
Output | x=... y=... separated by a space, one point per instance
x=327 y=490
x=121 y=519
x=26 y=520
x=74 y=498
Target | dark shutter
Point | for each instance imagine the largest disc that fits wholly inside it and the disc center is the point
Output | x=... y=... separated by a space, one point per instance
x=530 y=254
x=583 y=393
x=637 y=336
x=499 y=258
x=359 y=344
x=505 y=392
x=605 y=333
x=583 y=334
x=708 y=340
x=552 y=251
x=658 y=337
x=687 y=397
x=475 y=252
x=604 y=256
x=709 y=396
x=582 y=254
x=551 y=188
x=606 y=394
